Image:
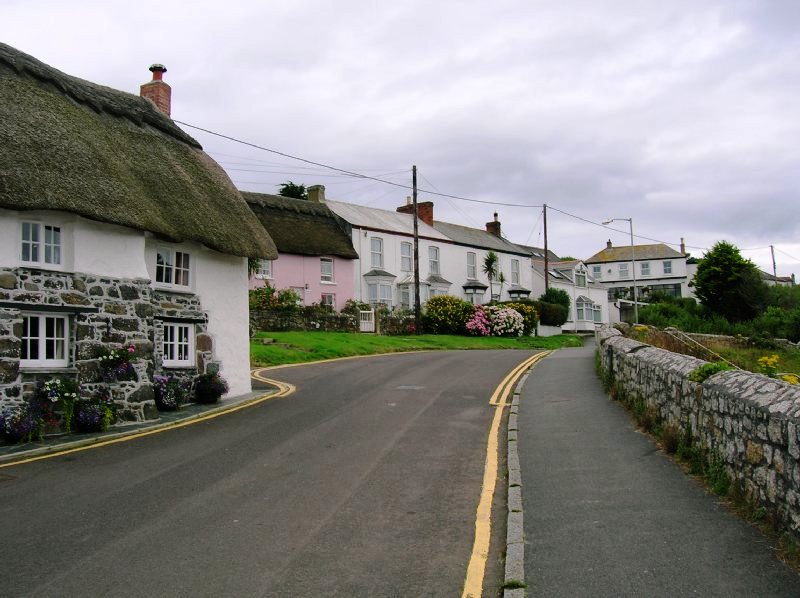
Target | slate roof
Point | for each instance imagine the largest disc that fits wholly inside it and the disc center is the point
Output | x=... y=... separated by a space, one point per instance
x=71 y=145
x=537 y=253
x=302 y=227
x=478 y=238
x=384 y=220
x=564 y=271
x=657 y=251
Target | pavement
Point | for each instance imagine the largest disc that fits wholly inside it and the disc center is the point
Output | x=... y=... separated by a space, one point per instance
x=607 y=514
x=167 y=419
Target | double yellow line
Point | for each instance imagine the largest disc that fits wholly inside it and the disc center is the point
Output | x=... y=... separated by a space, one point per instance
x=473 y=585
x=284 y=389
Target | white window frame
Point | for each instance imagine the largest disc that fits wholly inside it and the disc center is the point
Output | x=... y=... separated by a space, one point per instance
x=645 y=268
x=597 y=272
x=41 y=341
x=433 y=260
x=580 y=279
x=667 y=264
x=323 y=275
x=264 y=270
x=177 y=345
x=472 y=265
x=380 y=293
x=376 y=255
x=515 y=272
x=406 y=257
x=43 y=250
x=173 y=267
x=328 y=299
x=584 y=312
x=623 y=270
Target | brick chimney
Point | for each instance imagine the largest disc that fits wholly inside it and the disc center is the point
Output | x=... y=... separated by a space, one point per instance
x=493 y=226
x=424 y=210
x=157 y=91
x=316 y=193
x=608 y=244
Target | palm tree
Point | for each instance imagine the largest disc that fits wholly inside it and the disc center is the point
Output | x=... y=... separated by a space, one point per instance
x=490 y=269
x=501 y=278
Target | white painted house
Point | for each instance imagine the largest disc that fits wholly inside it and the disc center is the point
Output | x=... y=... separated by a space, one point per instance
x=450 y=257
x=116 y=229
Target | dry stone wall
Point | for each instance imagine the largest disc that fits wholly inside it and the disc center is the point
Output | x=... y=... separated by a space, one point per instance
x=750 y=421
x=105 y=314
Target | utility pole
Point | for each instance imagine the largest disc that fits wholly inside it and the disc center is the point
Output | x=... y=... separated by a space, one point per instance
x=774 y=267
x=546 y=258
x=417 y=319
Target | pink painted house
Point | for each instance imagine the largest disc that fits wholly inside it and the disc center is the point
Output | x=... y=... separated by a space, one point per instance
x=315 y=250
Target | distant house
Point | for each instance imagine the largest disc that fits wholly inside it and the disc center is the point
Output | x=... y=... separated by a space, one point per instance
x=659 y=268
x=314 y=247
x=115 y=229
x=588 y=299
x=772 y=280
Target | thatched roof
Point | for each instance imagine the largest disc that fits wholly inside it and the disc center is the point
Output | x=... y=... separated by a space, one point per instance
x=71 y=145
x=301 y=226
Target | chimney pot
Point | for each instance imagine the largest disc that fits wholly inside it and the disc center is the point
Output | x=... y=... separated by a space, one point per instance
x=493 y=227
x=157 y=91
x=316 y=193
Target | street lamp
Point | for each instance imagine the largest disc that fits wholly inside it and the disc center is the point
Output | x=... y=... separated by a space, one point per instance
x=633 y=264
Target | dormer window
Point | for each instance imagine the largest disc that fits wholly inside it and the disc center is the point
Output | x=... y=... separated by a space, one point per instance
x=172 y=267
x=580 y=278
x=40 y=244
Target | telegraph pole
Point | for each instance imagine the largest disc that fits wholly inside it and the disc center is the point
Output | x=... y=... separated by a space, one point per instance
x=774 y=267
x=417 y=319
x=546 y=258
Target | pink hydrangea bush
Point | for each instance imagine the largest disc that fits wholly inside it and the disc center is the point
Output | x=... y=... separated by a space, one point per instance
x=478 y=324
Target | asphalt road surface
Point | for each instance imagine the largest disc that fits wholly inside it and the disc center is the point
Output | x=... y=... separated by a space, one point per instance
x=362 y=483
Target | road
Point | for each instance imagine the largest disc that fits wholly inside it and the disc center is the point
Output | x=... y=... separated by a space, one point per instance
x=364 y=482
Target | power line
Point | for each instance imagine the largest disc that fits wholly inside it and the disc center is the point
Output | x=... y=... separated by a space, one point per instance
x=350 y=172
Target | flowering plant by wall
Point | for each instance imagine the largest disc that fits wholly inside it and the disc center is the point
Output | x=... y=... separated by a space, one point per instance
x=116 y=363
x=478 y=324
x=94 y=413
x=18 y=422
x=58 y=395
x=170 y=392
x=505 y=321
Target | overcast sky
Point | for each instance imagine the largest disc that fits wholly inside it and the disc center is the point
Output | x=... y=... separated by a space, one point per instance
x=683 y=115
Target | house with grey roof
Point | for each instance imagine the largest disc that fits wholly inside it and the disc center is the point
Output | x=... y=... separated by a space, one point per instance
x=315 y=248
x=116 y=231
x=658 y=268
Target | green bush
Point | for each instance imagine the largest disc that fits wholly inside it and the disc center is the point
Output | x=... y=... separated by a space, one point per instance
x=705 y=371
x=530 y=316
x=557 y=296
x=445 y=314
x=551 y=314
x=268 y=298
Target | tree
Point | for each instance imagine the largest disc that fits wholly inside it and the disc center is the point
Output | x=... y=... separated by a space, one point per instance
x=557 y=296
x=729 y=285
x=289 y=189
x=490 y=269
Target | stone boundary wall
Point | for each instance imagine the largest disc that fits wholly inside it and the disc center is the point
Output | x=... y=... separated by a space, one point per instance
x=750 y=421
x=275 y=321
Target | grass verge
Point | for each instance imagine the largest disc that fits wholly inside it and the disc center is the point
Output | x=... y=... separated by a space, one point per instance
x=301 y=347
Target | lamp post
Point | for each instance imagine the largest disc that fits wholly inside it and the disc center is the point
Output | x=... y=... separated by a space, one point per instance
x=633 y=264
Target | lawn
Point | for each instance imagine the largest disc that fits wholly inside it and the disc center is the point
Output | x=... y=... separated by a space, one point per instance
x=299 y=347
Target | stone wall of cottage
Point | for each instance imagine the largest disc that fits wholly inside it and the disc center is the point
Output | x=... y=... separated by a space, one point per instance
x=105 y=313
x=750 y=421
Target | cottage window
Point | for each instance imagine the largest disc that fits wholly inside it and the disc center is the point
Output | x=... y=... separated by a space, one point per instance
x=178 y=345
x=406 y=259
x=376 y=252
x=515 y=272
x=405 y=296
x=44 y=341
x=580 y=279
x=597 y=272
x=172 y=267
x=40 y=244
x=380 y=294
x=667 y=266
x=329 y=300
x=326 y=269
x=264 y=269
x=645 y=268
x=433 y=260
x=472 y=267
x=623 y=270
x=584 y=310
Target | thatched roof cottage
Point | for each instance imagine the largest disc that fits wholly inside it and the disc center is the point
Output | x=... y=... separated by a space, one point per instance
x=116 y=231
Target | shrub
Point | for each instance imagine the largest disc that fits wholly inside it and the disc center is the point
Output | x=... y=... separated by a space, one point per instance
x=445 y=314
x=268 y=298
x=705 y=371
x=670 y=438
x=208 y=388
x=552 y=314
x=170 y=392
x=504 y=321
x=557 y=296
x=353 y=307
x=530 y=317
x=95 y=413
x=478 y=324
x=18 y=422
x=718 y=476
